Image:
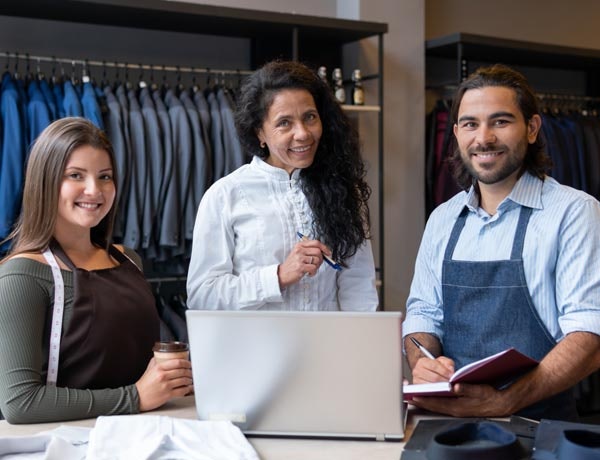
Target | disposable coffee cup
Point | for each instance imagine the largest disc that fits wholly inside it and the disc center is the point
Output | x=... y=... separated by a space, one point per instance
x=164 y=351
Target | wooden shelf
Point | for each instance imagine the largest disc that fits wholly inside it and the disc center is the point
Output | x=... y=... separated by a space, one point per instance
x=361 y=108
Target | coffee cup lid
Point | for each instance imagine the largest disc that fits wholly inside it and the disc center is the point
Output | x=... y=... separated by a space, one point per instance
x=170 y=346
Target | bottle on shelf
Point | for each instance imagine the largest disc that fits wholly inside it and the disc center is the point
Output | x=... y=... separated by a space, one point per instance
x=322 y=73
x=358 y=93
x=338 y=85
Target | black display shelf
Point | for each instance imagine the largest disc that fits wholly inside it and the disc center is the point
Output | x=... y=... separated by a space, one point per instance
x=194 y=18
x=491 y=49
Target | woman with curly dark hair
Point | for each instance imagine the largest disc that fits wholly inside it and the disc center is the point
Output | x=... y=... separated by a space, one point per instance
x=263 y=232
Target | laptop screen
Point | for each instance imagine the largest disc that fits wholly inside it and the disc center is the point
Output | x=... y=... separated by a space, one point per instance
x=322 y=374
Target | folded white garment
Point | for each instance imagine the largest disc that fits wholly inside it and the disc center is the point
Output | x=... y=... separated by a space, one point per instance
x=155 y=437
x=62 y=443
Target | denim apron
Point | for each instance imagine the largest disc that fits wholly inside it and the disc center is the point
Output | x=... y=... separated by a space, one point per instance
x=488 y=308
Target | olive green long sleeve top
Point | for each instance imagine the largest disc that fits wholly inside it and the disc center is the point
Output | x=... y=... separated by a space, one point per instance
x=26 y=303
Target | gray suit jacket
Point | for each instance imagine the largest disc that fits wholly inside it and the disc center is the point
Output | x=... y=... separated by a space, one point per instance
x=201 y=161
x=216 y=136
x=182 y=149
x=169 y=194
x=137 y=191
x=155 y=162
x=121 y=94
x=234 y=158
x=115 y=130
x=205 y=124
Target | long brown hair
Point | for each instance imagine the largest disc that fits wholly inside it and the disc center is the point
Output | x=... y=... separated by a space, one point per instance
x=334 y=184
x=43 y=178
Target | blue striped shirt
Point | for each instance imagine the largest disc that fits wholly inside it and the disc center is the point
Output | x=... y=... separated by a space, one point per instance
x=561 y=254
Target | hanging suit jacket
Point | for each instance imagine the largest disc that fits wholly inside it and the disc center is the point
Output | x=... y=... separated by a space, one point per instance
x=135 y=219
x=201 y=161
x=234 y=158
x=216 y=136
x=116 y=134
x=154 y=176
x=71 y=102
x=121 y=95
x=12 y=158
x=182 y=149
x=49 y=98
x=59 y=95
x=591 y=140
x=171 y=182
x=38 y=115
x=205 y=125
x=89 y=104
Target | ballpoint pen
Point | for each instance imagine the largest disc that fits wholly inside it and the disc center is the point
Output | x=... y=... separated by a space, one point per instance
x=332 y=263
x=424 y=350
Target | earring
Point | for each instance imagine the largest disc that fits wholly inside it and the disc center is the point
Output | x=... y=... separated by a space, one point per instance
x=262 y=145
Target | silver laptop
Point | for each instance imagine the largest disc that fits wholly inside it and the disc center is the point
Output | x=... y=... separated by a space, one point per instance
x=305 y=374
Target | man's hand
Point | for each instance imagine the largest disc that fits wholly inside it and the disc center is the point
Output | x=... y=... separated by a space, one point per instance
x=471 y=401
x=428 y=370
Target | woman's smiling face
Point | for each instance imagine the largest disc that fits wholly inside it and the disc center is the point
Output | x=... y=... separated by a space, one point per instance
x=291 y=130
x=87 y=191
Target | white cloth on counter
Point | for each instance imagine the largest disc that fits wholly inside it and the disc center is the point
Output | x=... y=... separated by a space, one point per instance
x=62 y=443
x=136 y=437
x=133 y=437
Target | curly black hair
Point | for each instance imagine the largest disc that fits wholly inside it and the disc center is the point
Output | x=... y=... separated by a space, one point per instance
x=536 y=161
x=334 y=184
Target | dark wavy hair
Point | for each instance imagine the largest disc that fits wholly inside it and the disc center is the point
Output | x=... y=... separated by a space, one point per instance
x=536 y=161
x=335 y=183
x=43 y=178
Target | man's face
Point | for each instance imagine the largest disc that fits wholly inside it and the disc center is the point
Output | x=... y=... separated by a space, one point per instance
x=493 y=135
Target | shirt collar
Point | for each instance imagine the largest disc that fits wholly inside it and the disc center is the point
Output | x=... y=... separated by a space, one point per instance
x=526 y=192
x=273 y=171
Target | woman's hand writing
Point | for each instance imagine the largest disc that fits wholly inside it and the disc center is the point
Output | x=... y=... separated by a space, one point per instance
x=162 y=381
x=305 y=259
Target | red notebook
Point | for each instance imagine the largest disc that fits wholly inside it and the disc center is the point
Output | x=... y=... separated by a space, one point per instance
x=497 y=370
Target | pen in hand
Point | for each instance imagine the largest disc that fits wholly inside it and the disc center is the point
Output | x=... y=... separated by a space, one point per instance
x=332 y=263
x=424 y=350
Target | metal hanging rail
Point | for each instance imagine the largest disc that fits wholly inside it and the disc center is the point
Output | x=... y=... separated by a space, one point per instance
x=119 y=65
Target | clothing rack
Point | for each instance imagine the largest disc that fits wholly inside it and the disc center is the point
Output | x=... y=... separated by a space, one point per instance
x=85 y=63
x=568 y=97
x=557 y=103
x=166 y=279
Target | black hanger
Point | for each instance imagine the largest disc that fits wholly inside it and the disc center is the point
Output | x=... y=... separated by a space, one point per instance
x=153 y=85
x=179 y=87
x=141 y=82
x=165 y=84
x=16 y=72
x=128 y=84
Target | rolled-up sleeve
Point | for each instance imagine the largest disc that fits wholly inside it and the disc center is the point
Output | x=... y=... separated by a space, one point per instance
x=578 y=269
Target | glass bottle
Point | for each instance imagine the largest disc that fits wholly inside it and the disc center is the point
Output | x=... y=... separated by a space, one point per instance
x=322 y=73
x=358 y=93
x=338 y=85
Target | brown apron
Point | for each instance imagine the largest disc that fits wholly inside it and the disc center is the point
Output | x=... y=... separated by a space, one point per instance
x=108 y=342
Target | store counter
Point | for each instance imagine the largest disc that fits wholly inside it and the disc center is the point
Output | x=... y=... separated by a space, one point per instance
x=267 y=448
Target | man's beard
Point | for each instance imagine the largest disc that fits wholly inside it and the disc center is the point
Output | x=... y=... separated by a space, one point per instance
x=513 y=162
